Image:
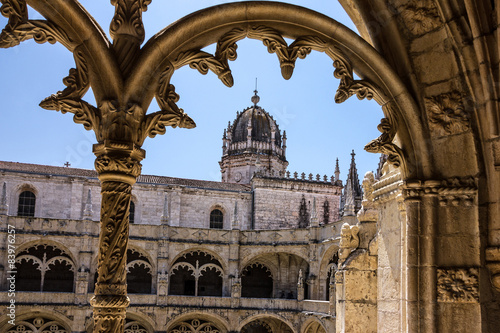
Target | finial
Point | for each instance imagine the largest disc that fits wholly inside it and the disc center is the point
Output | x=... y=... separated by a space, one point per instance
x=337 y=170
x=255 y=97
x=353 y=154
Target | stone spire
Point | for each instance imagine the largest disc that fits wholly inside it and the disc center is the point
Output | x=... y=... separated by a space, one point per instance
x=383 y=159
x=353 y=194
x=3 y=200
x=314 y=214
x=337 y=170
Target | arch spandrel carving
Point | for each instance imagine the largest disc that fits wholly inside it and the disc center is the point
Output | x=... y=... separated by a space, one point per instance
x=181 y=44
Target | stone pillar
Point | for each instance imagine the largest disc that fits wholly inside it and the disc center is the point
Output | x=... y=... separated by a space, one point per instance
x=333 y=296
x=4 y=207
x=443 y=255
x=165 y=215
x=236 y=291
x=300 y=287
x=162 y=287
x=82 y=286
x=118 y=166
x=355 y=290
x=175 y=208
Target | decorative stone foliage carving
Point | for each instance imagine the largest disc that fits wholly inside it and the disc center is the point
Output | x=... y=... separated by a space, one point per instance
x=446 y=114
x=384 y=144
x=454 y=191
x=420 y=16
x=349 y=240
x=458 y=285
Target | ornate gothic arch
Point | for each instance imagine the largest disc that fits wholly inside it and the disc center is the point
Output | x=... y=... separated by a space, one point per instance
x=125 y=78
x=212 y=254
x=196 y=322
x=30 y=317
x=271 y=320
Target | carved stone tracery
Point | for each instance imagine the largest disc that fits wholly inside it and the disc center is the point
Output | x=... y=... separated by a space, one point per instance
x=120 y=121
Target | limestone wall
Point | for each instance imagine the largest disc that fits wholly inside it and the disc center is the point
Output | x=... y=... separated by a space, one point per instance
x=277 y=201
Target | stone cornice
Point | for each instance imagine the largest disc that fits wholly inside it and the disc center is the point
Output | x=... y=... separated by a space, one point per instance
x=452 y=191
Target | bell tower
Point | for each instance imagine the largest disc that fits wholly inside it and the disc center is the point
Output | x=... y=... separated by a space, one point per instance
x=252 y=144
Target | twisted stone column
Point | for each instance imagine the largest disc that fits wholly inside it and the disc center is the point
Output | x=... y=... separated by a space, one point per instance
x=118 y=167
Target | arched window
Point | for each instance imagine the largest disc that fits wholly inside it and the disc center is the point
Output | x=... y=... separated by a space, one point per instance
x=139 y=273
x=131 y=214
x=196 y=274
x=44 y=268
x=26 y=205
x=216 y=219
x=257 y=281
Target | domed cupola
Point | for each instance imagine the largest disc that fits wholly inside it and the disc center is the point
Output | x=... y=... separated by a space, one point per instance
x=253 y=143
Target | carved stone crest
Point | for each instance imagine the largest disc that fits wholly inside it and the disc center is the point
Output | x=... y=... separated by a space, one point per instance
x=458 y=285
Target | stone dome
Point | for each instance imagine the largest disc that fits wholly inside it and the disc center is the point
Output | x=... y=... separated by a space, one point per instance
x=262 y=126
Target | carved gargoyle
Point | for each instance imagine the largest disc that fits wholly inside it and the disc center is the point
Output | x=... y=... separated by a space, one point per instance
x=349 y=240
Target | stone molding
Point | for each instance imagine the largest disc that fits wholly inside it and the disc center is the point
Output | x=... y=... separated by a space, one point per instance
x=458 y=285
x=452 y=191
x=387 y=188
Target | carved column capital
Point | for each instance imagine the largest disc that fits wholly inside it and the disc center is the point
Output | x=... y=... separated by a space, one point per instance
x=117 y=161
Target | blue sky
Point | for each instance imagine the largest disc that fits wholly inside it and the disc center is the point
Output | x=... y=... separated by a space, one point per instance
x=318 y=130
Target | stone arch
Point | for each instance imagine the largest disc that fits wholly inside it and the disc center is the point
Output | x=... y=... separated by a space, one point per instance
x=196 y=273
x=257 y=281
x=284 y=284
x=324 y=268
x=145 y=262
x=201 y=249
x=47 y=242
x=260 y=252
x=274 y=321
x=217 y=321
x=134 y=323
x=313 y=326
x=230 y=23
x=33 y=313
x=45 y=267
x=136 y=248
x=140 y=271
